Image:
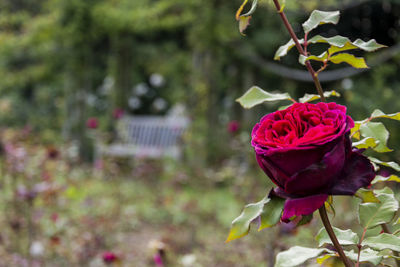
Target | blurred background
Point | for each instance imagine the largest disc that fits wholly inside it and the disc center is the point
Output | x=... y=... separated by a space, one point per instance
x=74 y=74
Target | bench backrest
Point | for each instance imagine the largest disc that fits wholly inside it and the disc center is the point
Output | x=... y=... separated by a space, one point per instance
x=152 y=131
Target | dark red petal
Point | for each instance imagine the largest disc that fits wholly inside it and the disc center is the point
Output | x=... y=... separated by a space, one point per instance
x=274 y=173
x=302 y=206
x=317 y=178
x=358 y=172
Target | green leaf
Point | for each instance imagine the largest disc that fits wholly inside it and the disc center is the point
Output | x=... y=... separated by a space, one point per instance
x=297 y=255
x=241 y=225
x=367 y=142
x=383 y=241
x=356 y=62
x=345 y=237
x=368 y=46
x=318 y=17
x=380 y=114
x=256 y=95
x=377 y=131
x=391 y=178
x=366 y=255
x=373 y=214
x=390 y=164
x=284 y=49
x=311 y=97
x=366 y=196
x=323 y=57
x=271 y=213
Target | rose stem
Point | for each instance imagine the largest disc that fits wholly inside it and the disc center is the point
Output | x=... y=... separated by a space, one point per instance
x=385 y=229
x=328 y=227
x=310 y=69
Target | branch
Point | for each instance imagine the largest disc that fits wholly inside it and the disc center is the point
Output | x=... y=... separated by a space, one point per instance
x=329 y=230
x=310 y=69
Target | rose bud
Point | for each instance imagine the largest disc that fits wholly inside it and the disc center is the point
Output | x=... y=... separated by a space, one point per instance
x=306 y=151
x=92 y=123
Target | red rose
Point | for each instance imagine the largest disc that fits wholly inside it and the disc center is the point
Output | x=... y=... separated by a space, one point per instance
x=306 y=151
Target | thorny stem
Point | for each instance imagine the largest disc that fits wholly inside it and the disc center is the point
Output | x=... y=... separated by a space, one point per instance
x=385 y=229
x=329 y=230
x=310 y=69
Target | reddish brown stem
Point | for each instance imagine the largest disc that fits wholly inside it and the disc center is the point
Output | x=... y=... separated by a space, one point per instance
x=310 y=69
x=331 y=233
x=359 y=246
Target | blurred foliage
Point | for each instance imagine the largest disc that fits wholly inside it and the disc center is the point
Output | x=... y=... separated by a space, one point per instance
x=64 y=61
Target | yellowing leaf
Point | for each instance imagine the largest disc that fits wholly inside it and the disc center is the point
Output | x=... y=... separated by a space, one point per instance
x=241 y=225
x=297 y=255
x=284 y=49
x=391 y=178
x=355 y=131
x=379 y=133
x=367 y=196
x=356 y=62
x=239 y=11
x=365 y=143
x=320 y=260
x=312 y=97
x=380 y=114
x=322 y=57
x=244 y=22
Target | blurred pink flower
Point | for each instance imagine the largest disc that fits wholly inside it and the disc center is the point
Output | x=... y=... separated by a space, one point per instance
x=118 y=113
x=158 y=260
x=92 y=123
x=233 y=126
x=109 y=257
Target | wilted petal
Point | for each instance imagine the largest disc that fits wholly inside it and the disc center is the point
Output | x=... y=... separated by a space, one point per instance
x=358 y=172
x=302 y=206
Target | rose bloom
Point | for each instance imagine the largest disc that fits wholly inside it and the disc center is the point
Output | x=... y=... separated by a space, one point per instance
x=92 y=123
x=306 y=151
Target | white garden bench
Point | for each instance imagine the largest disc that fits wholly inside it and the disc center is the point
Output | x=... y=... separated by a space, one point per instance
x=146 y=136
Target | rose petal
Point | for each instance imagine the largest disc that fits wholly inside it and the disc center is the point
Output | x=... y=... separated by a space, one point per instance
x=275 y=174
x=302 y=206
x=316 y=178
x=358 y=172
